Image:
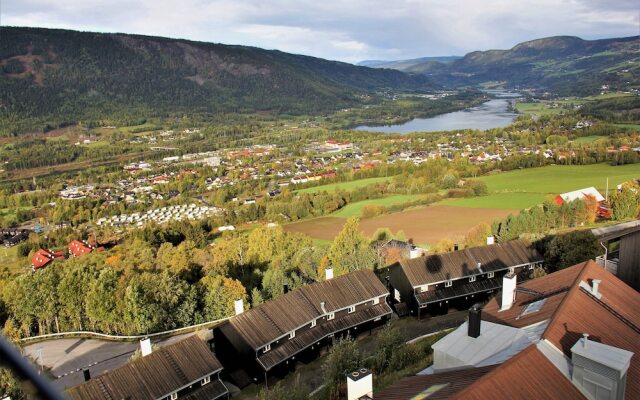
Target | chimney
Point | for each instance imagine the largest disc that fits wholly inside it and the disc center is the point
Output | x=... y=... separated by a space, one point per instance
x=595 y=283
x=239 y=306
x=475 y=318
x=328 y=273
x=455 y=247
x=508 y=291
x=599 y=370
x=285 y=288
x=490 y=240
x=145 y=347
x=360 y=385
x=87 y=374
x=324 y=310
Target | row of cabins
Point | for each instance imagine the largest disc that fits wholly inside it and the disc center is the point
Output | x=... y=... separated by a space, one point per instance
x=162 y=215
x=432 y=281
x=186 y=370
x=12 y=237
x=298 y=324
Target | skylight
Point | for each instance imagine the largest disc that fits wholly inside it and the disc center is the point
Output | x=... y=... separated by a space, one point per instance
x=534 y=307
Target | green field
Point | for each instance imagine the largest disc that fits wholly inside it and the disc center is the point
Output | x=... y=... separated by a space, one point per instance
x=499 y=200
x=588 y=139
x=9 y=257
x=537 y=108
x=635 y=127
x=348 y=186
x=525 y=188
x=355 y=209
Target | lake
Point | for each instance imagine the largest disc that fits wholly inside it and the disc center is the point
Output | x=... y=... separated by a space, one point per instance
x=492 y=114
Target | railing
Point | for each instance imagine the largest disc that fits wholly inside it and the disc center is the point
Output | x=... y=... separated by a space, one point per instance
x=610 y=264
x=118 y=337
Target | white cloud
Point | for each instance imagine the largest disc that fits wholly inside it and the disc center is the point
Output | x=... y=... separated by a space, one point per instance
x=344 y=30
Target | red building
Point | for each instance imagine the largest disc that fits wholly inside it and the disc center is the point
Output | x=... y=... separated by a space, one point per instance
x=43 y=257
x=79 y=247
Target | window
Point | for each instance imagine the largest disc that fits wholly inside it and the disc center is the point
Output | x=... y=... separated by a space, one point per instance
x=174 y=396
x=376 y=301
x=292 y=334
x=512 y=269
x=205 y=380
x=424 y=288
x=533 y=307
x=448 y=284
x=531 y=267
x=331 y=316
x=472 y=278
x=266 y=348
x=313 y=323
x=490 y=275
x=352 y=309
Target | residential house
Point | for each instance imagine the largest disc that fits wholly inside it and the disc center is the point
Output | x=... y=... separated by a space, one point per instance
x=583 y=328
x=185 y=370
x=43 y=257
x=299 y=323
x=432 y=281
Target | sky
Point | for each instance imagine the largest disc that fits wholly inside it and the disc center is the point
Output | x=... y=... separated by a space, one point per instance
x=348 y=31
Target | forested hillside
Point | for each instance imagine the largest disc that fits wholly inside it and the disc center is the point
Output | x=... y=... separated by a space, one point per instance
x=566 y=65
x=51 y=77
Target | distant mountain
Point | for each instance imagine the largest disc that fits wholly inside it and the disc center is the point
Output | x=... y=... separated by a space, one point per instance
x=415 y=65
x=564 y=64
x=61 y=76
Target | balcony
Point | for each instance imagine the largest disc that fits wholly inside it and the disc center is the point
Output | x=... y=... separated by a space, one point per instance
x=611 y=263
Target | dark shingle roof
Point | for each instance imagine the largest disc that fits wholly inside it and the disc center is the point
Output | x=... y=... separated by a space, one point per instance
x=273 y=319
x=154 y=376
x=461 y=263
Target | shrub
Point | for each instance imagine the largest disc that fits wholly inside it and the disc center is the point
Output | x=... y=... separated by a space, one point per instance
x=404 y=356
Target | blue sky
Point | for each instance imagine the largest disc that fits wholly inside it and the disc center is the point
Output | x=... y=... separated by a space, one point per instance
x=341 y=30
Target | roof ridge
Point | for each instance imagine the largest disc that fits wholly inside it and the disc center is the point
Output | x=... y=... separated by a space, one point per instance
x=574 y=288
x=613 y=311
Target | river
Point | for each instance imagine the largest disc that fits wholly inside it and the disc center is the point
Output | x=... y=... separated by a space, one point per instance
x=495 y=113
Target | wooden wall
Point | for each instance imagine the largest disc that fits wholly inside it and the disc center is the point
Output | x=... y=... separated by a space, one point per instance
x=629 y=265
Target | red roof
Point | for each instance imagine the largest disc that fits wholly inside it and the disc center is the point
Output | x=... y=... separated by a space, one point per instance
x=78 y=248
x=43 y=257
x=528 y=375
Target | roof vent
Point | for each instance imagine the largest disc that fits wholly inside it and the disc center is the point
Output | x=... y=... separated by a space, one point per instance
x=324 y=310
x=328 y=273
x=593 y=289
x=599 y=370
x=475 y=319
x=239 y=306
x=490 y=240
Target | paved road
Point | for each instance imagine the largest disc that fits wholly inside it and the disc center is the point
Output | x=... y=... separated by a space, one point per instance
x=66 y=358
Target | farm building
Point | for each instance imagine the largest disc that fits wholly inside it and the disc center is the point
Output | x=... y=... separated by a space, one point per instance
x=432 y=281
x=571 y=334
x=298 y=324
x=184 y=370
x=579 y=195
x=43 y=257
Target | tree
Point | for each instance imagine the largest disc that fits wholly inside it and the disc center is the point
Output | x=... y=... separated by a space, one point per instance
x=563 y=251
x=343 y=358
x=350 y=250
x=625 y=203
x=297 y=391
x=387 y=341
x=101 y=301
x=219 y=296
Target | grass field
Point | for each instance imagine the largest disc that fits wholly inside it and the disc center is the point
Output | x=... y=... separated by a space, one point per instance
x=355 y=209
x=525 y=188
x=635 y=127
x=537 y=108
x=9 y=257
x=348 y=186
x=588 y=139
x=556 y=179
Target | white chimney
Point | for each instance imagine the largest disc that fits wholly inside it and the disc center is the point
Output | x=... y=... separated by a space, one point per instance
x=145 y=347
x=324 y=310
x=508 y=291
x=490 y=240
x=360 y=384
x=239 y=306
x=328 y=273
